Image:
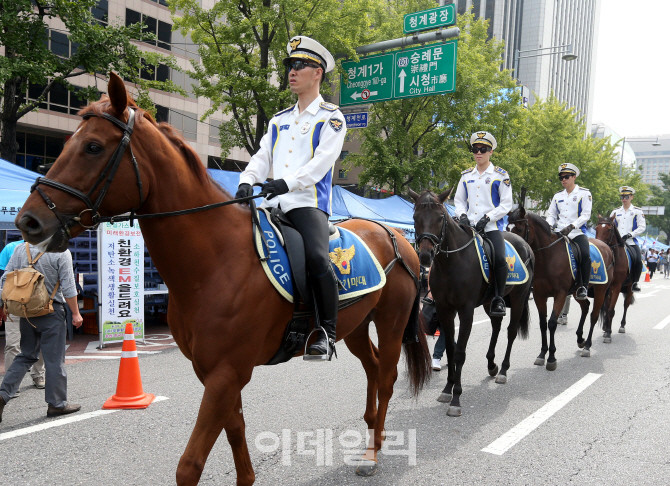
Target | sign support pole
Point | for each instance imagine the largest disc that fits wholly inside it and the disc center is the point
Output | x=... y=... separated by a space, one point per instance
x=443 y=34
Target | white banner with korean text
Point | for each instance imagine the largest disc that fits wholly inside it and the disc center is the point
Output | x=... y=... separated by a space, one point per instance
x=120 y=281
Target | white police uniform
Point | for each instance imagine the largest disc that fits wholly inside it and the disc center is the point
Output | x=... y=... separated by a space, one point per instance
x=631 y=220
x=573 y=208
x=302 y=149
x=488 y=193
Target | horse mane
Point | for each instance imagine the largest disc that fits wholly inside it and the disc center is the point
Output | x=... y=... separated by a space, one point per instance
x=538 y=220
x=617 y=235
x=176 y=139
x=428 y=200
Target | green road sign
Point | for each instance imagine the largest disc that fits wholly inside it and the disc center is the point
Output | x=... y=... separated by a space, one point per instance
x=425 y=71
x=367 y=81
x=430 y=19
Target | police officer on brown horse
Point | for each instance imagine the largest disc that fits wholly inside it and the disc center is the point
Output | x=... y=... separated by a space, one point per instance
x=484 y=197
x=301 y=147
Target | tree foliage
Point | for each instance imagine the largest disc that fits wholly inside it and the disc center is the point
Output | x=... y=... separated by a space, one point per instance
x=242 y=44
x=660 y=196
x=97 y=48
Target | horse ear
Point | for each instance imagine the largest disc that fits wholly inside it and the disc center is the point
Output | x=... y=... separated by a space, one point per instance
x=445 y=195
x=116 y=91
x=413 y=195
x=522 y=196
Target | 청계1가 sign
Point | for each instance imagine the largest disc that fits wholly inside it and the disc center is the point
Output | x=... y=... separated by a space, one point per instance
x=367 y=81
x=430 y=19
x=425 y=71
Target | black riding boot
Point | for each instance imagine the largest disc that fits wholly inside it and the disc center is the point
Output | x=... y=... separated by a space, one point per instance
x=637 y=267
x=585 y=266
x=326 y=295
x=498 y=303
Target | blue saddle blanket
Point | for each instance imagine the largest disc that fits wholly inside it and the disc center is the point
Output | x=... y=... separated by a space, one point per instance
x=355 y=266
x=517 y=273
x=598 y=273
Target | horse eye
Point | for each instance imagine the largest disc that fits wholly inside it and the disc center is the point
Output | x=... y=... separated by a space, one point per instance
x=93 y=148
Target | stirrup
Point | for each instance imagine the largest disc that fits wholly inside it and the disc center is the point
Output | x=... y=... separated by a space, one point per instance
x=585 y=292
x=330 y=348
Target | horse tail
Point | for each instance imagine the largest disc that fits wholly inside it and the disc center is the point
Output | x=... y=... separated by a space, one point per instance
x=524 y=323
x=417 y=355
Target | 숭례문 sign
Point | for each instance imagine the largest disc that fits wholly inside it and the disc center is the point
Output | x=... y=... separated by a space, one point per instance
x=425 y=71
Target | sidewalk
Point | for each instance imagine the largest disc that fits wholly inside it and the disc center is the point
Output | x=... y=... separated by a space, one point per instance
x=84 y=346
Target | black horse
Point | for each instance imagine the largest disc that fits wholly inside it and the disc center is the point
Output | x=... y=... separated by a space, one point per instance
x=458 y=286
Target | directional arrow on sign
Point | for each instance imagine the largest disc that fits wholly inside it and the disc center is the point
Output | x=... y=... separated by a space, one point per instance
x=355 y=96
x=402 y=76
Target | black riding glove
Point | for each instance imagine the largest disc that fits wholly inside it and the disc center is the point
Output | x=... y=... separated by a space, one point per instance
x=244 y=190
x=626 y=236
x=481 y=224
x=464 y=220
x=275 y=188
x=567 y=230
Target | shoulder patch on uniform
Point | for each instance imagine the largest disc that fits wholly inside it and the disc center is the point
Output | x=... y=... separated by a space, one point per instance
x=284 y=111
x=500 y=170
x=467 y=170
x=584 y=189
x=637 y=207
x=336 y=124
x=506 y=182
x=328 y=106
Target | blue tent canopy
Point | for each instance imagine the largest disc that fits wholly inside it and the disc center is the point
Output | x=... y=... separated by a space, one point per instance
x=15 y=185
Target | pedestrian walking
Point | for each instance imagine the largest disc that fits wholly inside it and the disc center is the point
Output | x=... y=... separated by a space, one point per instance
x=47 y=332
x=662 y=261
x=12 y=327
x=652 y=261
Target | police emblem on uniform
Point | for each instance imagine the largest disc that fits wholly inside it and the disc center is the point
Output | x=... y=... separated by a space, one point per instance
x=574 y=198
x=295 y=43
x=305 y=128
x=488 y=180
x=342 y=258
x=506 y=182
x=563 y=166
x=336 y=124
x=589 y=197
x=481 y=134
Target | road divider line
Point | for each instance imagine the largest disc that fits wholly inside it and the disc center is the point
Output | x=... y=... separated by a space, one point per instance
x=64 y=421
x=663 y=323
x=509 y=439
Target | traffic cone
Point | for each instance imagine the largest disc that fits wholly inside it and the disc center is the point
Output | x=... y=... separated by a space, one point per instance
x=437 y=333
x=129 y=392
x=646 y=277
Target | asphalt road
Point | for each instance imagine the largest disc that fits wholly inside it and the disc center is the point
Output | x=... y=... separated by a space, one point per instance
x=306 y=417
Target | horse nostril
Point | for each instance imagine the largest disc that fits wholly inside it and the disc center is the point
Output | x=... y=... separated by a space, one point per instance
x=30 y=225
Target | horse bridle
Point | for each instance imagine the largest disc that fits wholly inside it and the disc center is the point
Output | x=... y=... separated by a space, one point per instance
x=609 y=240
x=437 y=242
x=527 y=232
x=108 y=172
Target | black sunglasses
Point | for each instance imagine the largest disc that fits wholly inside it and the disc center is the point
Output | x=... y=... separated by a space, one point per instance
x=625 y=197
x=477 y=150
x=564 y=177
x=298 y=65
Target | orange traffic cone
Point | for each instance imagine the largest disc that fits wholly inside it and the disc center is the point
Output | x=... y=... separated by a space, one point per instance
x=437 y=333
x=129 y=392
x=646 y=277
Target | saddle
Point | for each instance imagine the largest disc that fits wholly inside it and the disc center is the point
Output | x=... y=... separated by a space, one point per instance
x=598 y=274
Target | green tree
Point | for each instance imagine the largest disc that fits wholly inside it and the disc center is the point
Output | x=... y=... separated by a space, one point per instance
x=660 y=196
x=242 y=44
x=96 y=48
x=421 y=142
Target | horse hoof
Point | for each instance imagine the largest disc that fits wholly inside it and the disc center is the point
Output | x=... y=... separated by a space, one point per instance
x=367 y=469
x=494 y=371
x=454 y=411
x=539 y=362
x=551 y=366
x=444 y=398
x=607 y=340
x=586 y=353
x=580 y=344
x=622 y=330
x=501 y=379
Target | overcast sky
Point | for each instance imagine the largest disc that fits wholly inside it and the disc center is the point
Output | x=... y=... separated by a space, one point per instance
x=632 y=82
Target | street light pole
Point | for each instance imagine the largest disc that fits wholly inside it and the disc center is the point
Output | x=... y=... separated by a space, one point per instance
x=568 y=55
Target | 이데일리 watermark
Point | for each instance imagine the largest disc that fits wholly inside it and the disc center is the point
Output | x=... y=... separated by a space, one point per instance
x=320 y=444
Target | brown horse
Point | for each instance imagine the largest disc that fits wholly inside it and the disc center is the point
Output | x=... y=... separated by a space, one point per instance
x=224 y=314
x=606 y=231
x=553 y=278
x=458 y=286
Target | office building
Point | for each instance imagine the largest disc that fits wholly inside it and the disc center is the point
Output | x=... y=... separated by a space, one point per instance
x=652 y=159
x=600 y=130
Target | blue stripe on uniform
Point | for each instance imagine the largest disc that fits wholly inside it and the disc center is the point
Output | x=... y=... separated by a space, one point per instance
x=634 y=223
x=495 y=193
x=500 y=224
x=465 y=186
x=579 y=208
x=275 y=136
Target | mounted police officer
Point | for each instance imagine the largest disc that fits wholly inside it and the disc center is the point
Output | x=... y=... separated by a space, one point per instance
x=301 y=148
x=484 y=197
x=630 y=222
x=569 y=211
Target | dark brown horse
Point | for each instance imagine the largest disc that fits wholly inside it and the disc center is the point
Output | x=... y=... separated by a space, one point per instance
x=224 y=314
x=621 y=284
x=553 y=278
x=458 y=286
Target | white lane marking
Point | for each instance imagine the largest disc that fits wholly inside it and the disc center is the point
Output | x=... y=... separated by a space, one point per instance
x=64 y=421
x=663 y=323
x=509 y=439
x=646 y=294
x=92 y=357
x=474 y=324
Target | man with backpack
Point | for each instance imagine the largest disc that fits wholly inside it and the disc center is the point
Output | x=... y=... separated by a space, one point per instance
x=43 y=330
x=12 y=329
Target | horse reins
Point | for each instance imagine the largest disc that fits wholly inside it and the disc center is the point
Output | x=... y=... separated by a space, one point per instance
x=437 y=242
x=109 y=172
x=525 y=237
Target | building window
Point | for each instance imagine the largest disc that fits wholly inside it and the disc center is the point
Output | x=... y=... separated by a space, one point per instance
x=461 y=7
x=186 y=123
x=214 y=136
x=35 y=150
x=490 y=13
x=342 y=174
x=185 y=81
x=101 y=12
x=162 y=30
x=162 y=114
x=476 y=8
x=343 y=154
x=59 y=98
